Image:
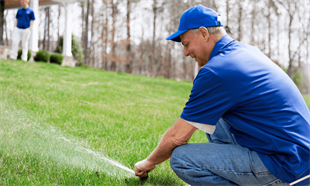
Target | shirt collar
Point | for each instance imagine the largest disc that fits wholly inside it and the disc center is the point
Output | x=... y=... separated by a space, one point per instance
x=219 y=45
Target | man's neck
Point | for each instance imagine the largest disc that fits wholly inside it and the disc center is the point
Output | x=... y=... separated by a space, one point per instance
x=26 y=7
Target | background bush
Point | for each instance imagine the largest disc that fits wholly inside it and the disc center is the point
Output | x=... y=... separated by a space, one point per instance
x=42 y=55
x=76 y=49
x=56 y=58
x=20 y=51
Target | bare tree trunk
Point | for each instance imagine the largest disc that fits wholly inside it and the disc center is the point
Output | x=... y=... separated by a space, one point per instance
x=153 y=60
x=106 y=35
x=291 y=13
x=48 y=29
x=6 y=30
x=113 y=57
x=215 y=5
x=269 y=27
x=290 y=65
x=128 y=47
x=240 y=14
x=59 y=13
x=45 y=29
x=141 y=49
x=227 y=12
x=1 y=22
x=92 y=49
x=85 y=39
x=82 y=5
x=253 y=15
x=102 y=40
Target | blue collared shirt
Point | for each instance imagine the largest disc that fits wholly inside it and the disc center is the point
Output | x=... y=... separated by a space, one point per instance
x=263 y=107
x=24 y=17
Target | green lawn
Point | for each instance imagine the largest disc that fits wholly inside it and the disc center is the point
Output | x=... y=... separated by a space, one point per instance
x=307 y=99
x=57 y=123
x=60 y=124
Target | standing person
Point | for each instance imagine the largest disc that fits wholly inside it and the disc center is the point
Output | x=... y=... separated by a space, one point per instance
x=22 y=29
x=256 y=120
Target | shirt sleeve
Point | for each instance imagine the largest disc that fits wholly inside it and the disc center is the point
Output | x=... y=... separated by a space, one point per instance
x=209 y=100
x=32 y=17
x=17 y=14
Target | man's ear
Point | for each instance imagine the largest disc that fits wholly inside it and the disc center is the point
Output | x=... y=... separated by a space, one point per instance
x=204 y=32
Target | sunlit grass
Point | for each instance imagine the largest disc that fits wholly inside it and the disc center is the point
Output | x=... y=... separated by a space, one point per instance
x=115 y=115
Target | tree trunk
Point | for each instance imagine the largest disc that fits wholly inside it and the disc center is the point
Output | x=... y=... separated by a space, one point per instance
x=106 y=36
x=290 y=66
x=6 y=30
x=153 y=60
x=253 y=15
x=240 y=13
x=92 y=49
x=113 y=43
x=48 y=29
x=227 y=18
x=128 y=47
x=85 y=39
x=269 y=28
x=82 y=4
x=45 y=29
x=1 y=21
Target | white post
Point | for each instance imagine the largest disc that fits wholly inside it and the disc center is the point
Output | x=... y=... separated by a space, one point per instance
x=67 y=35
x=33 y=43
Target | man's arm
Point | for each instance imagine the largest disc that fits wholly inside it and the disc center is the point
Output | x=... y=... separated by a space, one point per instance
x=177 y=135
x=31 y=24
x=15 y=24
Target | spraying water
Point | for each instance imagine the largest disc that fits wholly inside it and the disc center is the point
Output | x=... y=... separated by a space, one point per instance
x=25 y=134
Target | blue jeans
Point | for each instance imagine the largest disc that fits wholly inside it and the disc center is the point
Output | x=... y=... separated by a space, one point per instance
x=222 y=161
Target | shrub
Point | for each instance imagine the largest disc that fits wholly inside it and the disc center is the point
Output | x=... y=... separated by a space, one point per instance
x=20 y=52
x=56 y=58
x=76 y=49
x=42 y=55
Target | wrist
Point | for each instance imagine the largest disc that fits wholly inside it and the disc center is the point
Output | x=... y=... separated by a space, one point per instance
x=149 y=162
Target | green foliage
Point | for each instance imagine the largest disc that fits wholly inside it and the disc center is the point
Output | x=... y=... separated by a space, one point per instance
x=76 y=48
x=42 y=55
x=56 y=58
x=298 y=79
x=20 y=52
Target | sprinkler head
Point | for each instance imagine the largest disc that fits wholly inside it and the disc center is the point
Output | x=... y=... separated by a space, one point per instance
x=145 y=178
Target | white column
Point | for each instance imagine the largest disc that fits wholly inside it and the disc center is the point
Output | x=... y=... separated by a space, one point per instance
x=67 y=34
x=33 y=43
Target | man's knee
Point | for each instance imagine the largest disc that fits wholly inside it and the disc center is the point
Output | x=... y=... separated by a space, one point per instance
x=176 y=158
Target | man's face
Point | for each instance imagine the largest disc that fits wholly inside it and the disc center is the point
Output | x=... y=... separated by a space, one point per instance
x=24 y=3
x=195 y=46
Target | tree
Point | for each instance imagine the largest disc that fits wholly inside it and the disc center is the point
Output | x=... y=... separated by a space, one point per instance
x=128 y=46
x=113 y=32
x=92 y=49
x=85 y=38
x=291 y=7
x=59 y=14
x=240 y=19
x=106 y=34
x=1 y=21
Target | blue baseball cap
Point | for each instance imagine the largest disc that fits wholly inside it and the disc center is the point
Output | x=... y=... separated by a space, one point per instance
x=196 y=17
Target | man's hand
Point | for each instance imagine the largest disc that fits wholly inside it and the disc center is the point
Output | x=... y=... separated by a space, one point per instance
x=142 y=167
